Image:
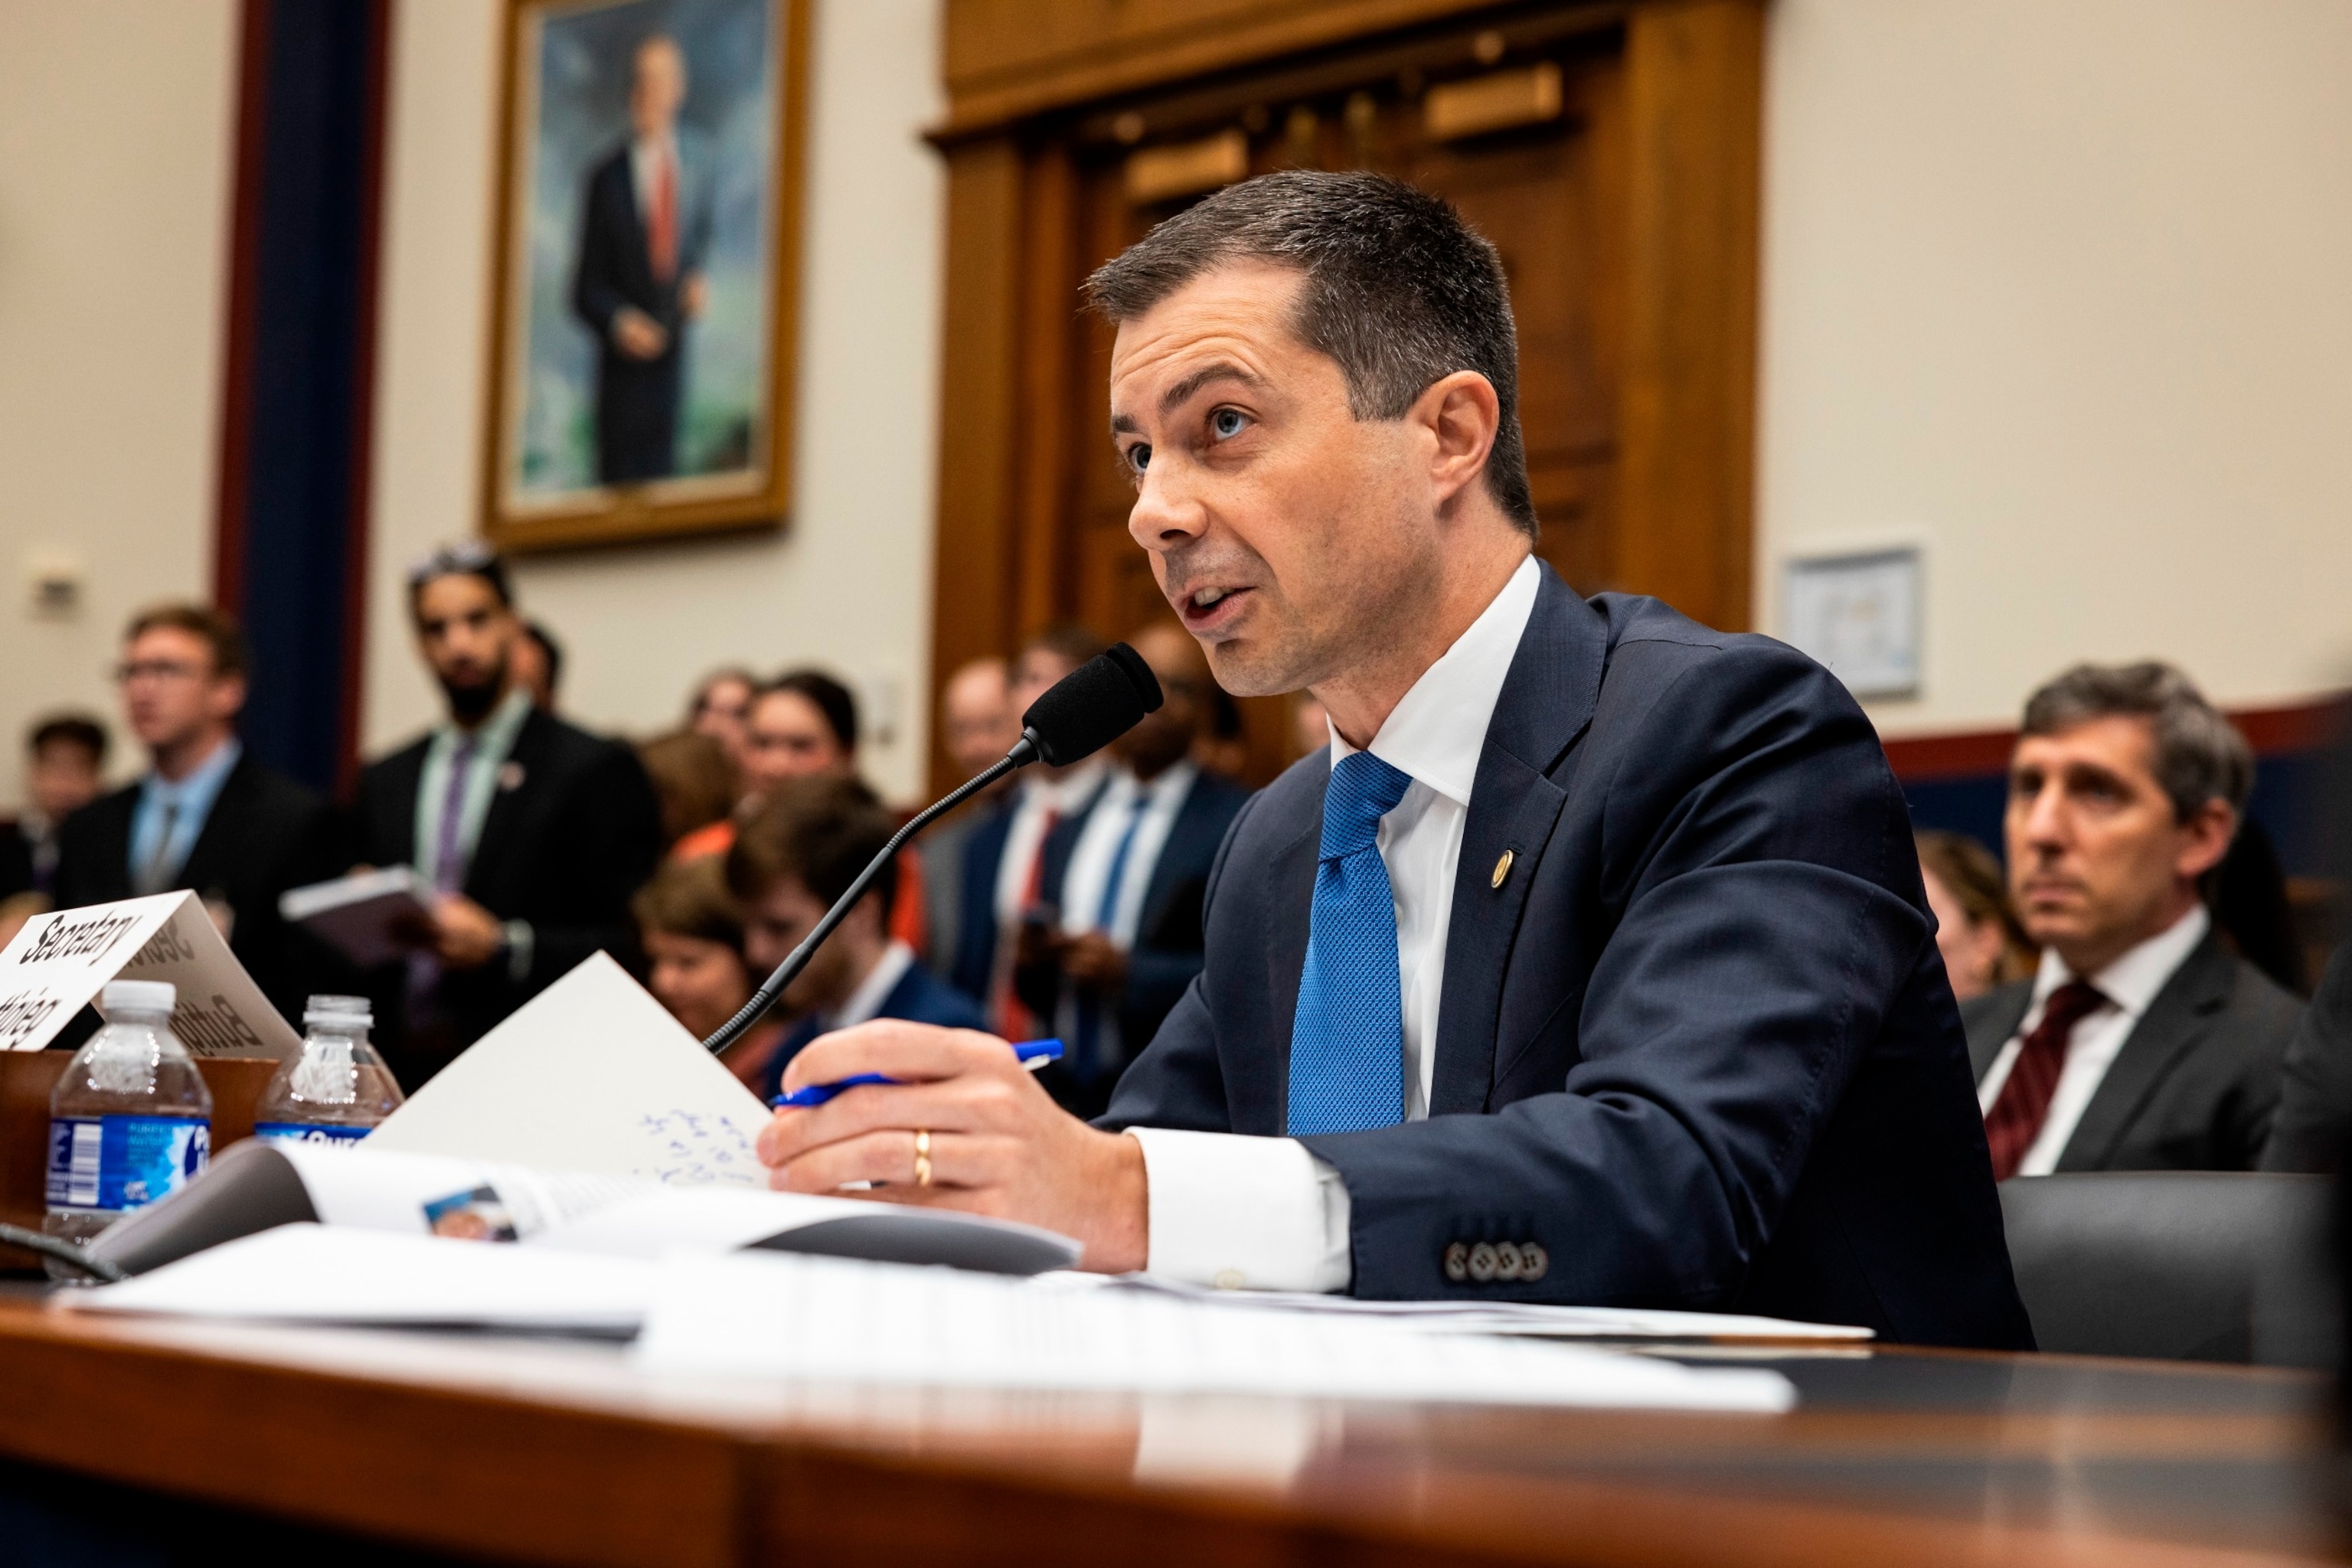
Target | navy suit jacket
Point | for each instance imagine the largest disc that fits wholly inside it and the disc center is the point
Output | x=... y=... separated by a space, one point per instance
x=1168 y=946
x=1696 y=1040
x=919 y=998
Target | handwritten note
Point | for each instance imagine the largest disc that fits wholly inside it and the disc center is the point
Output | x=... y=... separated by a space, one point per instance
x=590 y=1074
x=60 y=962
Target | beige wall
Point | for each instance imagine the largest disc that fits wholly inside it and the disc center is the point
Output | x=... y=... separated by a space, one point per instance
x=2063 y=293
x=117 y=123
x=849 y=585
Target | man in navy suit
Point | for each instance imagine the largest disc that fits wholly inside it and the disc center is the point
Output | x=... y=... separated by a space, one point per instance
x=798 y=854
x=638 y=278
x=1589 y=963
x=1126 y=880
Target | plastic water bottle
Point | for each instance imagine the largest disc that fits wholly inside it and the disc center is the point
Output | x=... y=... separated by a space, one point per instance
x=130 y=1122
x=338 y=1089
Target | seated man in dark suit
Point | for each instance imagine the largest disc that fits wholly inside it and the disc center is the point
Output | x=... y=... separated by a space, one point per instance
x=1128 y=878
x=207 y=815
x=534 y=833
x=1590 y=962
x=797 y=853
x=2143 y=1044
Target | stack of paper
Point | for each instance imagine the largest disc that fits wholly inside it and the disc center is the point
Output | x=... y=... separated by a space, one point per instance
x=838 y=1320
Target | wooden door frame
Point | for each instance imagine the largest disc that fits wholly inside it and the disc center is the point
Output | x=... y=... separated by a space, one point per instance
x=1686 y=422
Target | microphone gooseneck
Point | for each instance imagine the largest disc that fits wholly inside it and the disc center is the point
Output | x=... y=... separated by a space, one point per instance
x=1086 y=711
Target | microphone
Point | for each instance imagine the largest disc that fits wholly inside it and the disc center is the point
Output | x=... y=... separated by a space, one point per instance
x=1084 y=711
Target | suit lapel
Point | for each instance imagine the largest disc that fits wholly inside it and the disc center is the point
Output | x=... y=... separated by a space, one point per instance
x=1547 y=700
x=1290 y=883
x=1985 y=1042
x=208 y=857
x=2171 y=1028
x=523 y=758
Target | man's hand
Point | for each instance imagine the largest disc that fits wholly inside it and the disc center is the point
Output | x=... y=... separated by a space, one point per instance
x=638 y=336
x=998 y=1145
x=465 y=935
x=693 y=295
x=1096 y=961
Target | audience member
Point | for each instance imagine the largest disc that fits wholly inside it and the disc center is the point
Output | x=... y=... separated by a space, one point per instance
x=2253 y=912
x=206 y=816
x=722 y=702
x=978 y=726
x=65 y=767
x=2309 y=1132
x=538 y=665
x=1004 y=863
x=795 y=855
x=535 y=833
x=1129 y=877
x=2142 y=1043
x=692 y=778
x=693 y=933
x=1222 y=747
x=802 y=722
x=1976 y=931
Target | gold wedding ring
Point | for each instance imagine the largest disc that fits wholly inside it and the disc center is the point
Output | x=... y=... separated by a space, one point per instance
x=923 y=1157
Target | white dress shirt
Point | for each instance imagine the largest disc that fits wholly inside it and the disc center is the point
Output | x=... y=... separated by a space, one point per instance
x=1263 y=1213
x=866 y=1002
x=2130 y=984
x=1044 y=802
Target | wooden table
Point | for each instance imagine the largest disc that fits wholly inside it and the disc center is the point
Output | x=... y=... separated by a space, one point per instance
x=555 y=1452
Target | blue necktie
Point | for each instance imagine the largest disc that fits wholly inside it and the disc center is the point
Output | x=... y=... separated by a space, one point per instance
x=1346 y=1044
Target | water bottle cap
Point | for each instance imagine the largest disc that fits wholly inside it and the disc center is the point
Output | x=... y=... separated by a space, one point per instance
x=350 y=1012
x=138 y=997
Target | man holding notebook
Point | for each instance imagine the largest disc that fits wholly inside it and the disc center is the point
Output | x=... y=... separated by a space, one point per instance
x=1590 y=963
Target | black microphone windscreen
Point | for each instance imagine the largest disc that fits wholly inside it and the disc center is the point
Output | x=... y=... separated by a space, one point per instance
x=1092 y=706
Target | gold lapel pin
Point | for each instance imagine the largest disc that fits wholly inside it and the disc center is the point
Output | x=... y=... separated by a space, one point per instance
x=1502 y=869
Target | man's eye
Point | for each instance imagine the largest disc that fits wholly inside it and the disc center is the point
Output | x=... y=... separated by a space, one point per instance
x=1138 y=457
x=1228 y=423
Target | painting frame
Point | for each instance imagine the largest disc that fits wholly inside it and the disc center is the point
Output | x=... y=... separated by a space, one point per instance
x=607 y=514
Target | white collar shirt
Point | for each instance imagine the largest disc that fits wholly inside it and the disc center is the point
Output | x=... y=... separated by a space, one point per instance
x=646 y=154
x=2130 y=984
x=1263 y=1213
x=866 y=1002
x=1042 y=803
x=1150 y=810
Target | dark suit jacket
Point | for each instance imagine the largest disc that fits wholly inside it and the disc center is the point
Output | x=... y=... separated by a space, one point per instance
x=2197 y=1080
x=16 y=860
x=973 y=963
x=2315 y=1097
x=572 y=833
x=1168 y=942
x=919 y=998
x=1698 y=1044
x=265 y=835
x=614 y=266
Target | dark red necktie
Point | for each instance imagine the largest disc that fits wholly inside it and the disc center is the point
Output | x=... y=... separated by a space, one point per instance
x=662 y=242
x=2016 y=1117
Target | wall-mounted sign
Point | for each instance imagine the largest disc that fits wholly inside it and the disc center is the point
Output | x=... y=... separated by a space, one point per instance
x=1859 y=614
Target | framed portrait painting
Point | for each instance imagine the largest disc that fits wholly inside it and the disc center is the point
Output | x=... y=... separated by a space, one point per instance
x=646 y=269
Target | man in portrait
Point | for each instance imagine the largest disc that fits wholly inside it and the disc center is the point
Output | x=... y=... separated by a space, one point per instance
x=638 y=280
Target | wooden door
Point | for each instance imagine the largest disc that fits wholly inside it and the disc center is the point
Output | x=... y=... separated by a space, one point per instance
x=1607 y=150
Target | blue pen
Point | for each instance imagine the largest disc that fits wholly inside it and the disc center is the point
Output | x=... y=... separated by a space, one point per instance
x=1033 y=1054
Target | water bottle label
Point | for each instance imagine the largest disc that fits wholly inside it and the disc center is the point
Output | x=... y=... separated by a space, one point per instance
x=307 y=1133
x=123 y=1161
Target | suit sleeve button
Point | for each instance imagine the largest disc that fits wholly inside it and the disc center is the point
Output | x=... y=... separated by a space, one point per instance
x=1507 y=1261
x=1482 y=1262
x=1534 y=1261
x=1457 y=1263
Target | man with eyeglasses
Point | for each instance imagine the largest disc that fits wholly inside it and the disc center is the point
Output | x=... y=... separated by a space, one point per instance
x=533 y=833
x=206 y=816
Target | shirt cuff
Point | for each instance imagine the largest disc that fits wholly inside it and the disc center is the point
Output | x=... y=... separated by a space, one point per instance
x=518 y=940
x=1238 y=1212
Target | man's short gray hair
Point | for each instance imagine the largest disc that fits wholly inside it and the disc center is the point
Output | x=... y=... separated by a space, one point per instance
x=2199 y=755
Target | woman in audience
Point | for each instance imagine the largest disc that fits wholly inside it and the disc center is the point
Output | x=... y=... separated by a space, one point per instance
x=694 y=779
x=693 y=932
x=721 y=707
x=1982 y=942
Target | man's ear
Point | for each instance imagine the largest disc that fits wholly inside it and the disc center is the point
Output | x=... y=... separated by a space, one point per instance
x=2205 y=839
x=1462 y=414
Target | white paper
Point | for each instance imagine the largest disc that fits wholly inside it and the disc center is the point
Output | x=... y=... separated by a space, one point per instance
x=59 y=963
x=1525 y=1319
x=323 y=1274
x=361 y=914
x=589 y=1075
x=776 y=1315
